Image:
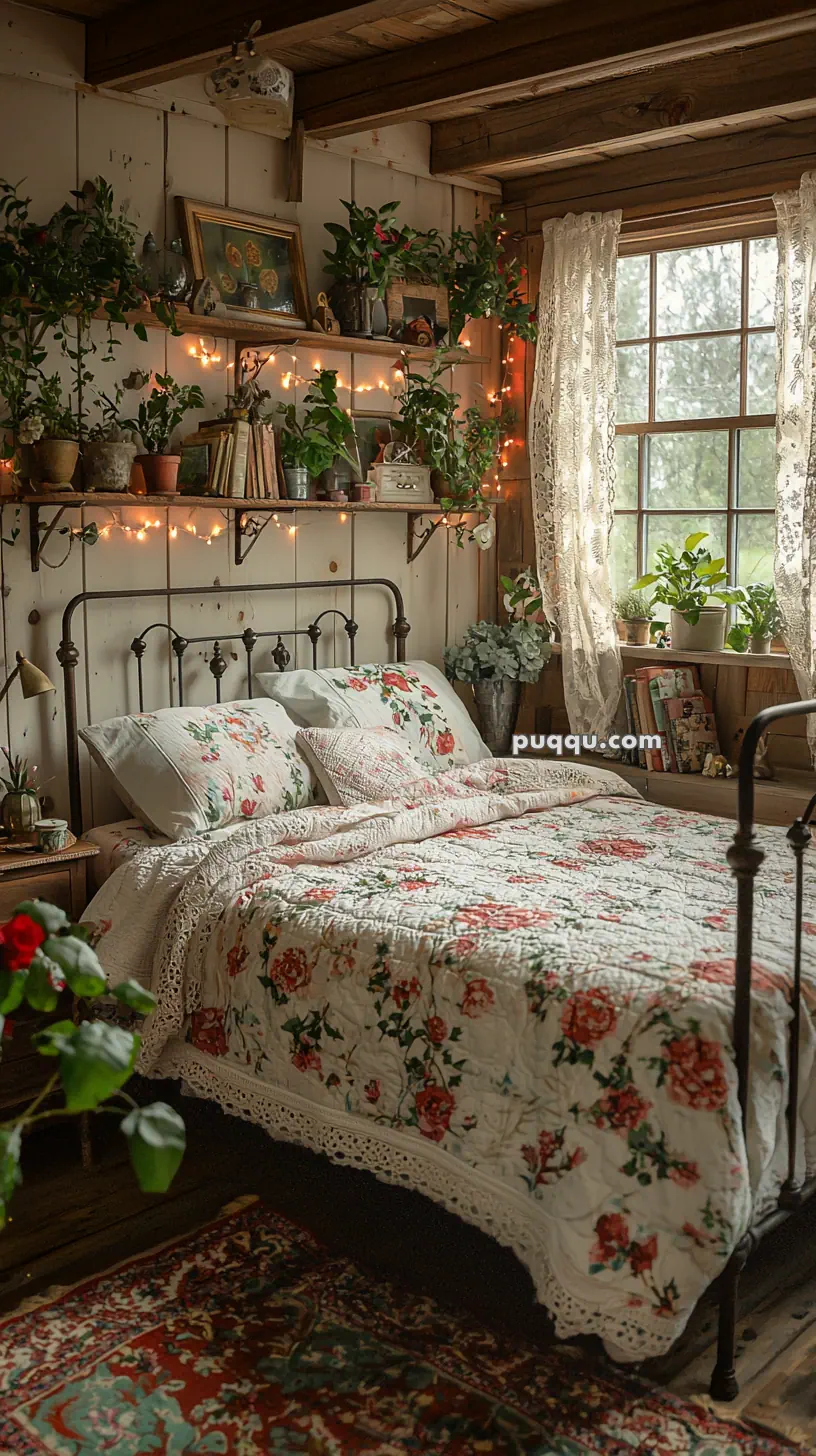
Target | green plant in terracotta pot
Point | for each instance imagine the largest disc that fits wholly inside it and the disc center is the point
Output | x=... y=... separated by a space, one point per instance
x=761 y=617
x=496 y=660
x=20 y=808
x=158 y=417
x=635 y=615
x=51 y=428
x=313 y=444
x=685 y=583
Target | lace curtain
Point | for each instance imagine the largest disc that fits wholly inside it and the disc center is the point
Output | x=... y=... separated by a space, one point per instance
x=572 y=439
x=795 y=561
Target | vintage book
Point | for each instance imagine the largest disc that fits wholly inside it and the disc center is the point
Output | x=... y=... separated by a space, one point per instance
x=694 y=730
x=641 y=752
x=194 y=470
x=236 y=484
x=269 y=451
x=226 y=464
x=665 y=683
x=251 y=489
x=258 y=460
x=282 y=492
x=631 y=753
x=648 y=723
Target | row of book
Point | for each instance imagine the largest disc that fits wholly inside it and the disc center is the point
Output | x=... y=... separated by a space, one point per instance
x=670 y=702
x=232 y=458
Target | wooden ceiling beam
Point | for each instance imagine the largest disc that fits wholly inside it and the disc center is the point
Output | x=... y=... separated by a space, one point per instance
x=736 y=164
x=531 y=54
x=158 y=40
x=649 y=105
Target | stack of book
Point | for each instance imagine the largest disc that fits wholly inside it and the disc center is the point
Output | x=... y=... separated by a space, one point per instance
x=669 y=701
x=230 y=458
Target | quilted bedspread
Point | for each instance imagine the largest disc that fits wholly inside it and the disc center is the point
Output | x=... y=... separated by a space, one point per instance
x=513 y=989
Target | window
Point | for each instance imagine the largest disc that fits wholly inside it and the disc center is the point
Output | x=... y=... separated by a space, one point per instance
x=695 y=440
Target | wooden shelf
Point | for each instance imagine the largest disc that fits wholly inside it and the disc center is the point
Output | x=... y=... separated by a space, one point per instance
x=717 y=659
x=75 y=498
x=777 y=801
x=256 y=333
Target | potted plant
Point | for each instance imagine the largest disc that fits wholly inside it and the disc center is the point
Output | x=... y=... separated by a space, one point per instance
x=311 y=446
x=51 y=428
x=483 y=279
x=685 y=584
x=496 y=660
x=158 y=416
x=368 y=255
x=635 y=615
x=20 y=808
x=762 y=619
x=109 y=449
x=89 y=1061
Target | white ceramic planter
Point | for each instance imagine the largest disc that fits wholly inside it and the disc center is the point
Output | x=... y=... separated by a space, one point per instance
x=706 y=635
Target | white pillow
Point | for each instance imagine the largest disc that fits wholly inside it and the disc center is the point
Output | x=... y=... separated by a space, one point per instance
x=412 y=697
x=361 y=765
x=187 y=770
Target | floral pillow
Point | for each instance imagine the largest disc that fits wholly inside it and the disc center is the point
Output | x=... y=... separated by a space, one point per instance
x=412 y=697
x=360 y=765
x=188 y=770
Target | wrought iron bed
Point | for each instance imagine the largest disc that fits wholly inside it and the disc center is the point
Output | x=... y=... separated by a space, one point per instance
x=745 y=858
x=68 y=652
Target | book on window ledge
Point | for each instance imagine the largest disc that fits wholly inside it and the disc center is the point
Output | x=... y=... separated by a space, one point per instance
x=693 y=729
x=666 y=702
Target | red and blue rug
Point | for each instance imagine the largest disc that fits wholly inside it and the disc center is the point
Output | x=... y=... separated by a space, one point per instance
x=248 y=1338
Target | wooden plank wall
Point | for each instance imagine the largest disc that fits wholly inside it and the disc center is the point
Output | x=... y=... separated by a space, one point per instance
x=54 y=133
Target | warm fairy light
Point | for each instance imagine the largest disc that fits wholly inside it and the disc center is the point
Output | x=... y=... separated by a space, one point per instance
x=190 y=526
x=286 y=380
x=316 y=364
x=465 y=343
x=173 y=532
x=342 y=518
x=292 y=530
x=204 y=353
x=141 y=535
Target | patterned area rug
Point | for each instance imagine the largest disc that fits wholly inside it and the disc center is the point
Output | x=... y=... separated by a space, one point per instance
x=248 y=1338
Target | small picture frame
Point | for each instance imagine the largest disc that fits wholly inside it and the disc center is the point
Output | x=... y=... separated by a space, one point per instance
x=418 y=313
x=254 y=262
x=373 y=432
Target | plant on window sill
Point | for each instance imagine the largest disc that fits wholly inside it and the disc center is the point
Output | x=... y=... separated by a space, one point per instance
x=762 y=620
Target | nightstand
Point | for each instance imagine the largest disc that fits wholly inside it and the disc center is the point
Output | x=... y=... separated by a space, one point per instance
x=31 y=874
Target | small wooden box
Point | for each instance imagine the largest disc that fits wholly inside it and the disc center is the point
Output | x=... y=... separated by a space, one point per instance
x=403 y=484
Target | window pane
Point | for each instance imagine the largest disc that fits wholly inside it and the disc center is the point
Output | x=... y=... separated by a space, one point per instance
x=697 y=379
x=633 y=384
x=756 y=468
x=633 y=297
x=688 y=470
x=673 y=530
x=624 y=553
x=755 y=549
x=762 y=255
x=761 y=374
x=699 y=289
x=626 y=472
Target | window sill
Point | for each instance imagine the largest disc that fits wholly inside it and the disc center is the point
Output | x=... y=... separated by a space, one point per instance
x=720 y=659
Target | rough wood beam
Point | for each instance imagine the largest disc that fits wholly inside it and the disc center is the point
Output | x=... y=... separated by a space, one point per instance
x=157 y=40
x=667 y=99
x=692 y=174
x=529 y=52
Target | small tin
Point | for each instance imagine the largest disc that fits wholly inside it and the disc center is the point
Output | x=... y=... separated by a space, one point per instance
x=52 y=834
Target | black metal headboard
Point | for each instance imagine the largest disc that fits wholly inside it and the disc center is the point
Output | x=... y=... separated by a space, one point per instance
x=68 y=653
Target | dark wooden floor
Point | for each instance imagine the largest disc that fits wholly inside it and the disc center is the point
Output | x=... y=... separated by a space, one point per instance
x=67 y=1225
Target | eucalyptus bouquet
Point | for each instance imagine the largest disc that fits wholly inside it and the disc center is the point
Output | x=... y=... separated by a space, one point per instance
x=41 y=956
x=489 y=651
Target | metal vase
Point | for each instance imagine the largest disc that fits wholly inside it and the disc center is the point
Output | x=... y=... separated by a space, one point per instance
x=497 y=704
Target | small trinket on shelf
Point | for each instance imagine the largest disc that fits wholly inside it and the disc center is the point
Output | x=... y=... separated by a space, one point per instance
x=324 y=320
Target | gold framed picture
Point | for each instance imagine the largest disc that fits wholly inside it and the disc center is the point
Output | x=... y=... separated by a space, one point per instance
x=255 y=262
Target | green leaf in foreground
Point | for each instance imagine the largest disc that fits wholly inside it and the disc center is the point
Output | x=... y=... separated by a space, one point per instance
x=95 y=1062
x=156 y=1140
x=12 y=990
x=50 y=917
x=135 y=997
x=10 y=1175
x=50 y=1041
x=45 y=983
x=80 y=963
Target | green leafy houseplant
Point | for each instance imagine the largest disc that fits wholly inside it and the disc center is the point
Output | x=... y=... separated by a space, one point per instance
x=762 y=619
x=522 y=596
x=162 y=413
x=686 y=583
x=373 y=250
x=323 y=435
x=518 y=651
x=459 y=448
x=49 y=417
x=484 y=280
x=635 y=615
x=42 y=954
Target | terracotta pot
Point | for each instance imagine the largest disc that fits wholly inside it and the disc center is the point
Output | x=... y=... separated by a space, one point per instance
x=635 y=632
x=55 y=461
x=160 y=473
x=705 y=635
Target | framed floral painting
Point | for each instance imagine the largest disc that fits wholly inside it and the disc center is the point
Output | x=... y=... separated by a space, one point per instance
x=255 y=262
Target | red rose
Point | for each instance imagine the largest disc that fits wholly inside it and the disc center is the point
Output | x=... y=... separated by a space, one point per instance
x=306 y=1059
x=619 y=848
x=291 y=970
x=358 y=685
x=436 y=1029
x=463 y=947
x=696 y=1074
x=612 y=1234
x=257 y=783
x=434 y=1107
x=248 y=807
x=478 y=997
x=207 y=1031
x=642 y=1256
x=319 y=892
x=720 y=973
x=504 y=917
x=588 y=1017
x=685 y=1175
x=21 y=937
x=622 y=1110
x=372 y=1090
x=404 y=992
x=445 y=743
x=236 y=959
x=396 y=680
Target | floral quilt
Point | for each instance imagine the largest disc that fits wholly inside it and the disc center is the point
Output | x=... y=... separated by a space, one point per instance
x=512 y=987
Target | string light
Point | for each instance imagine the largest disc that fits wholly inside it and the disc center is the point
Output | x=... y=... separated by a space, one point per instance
x=204 y=353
